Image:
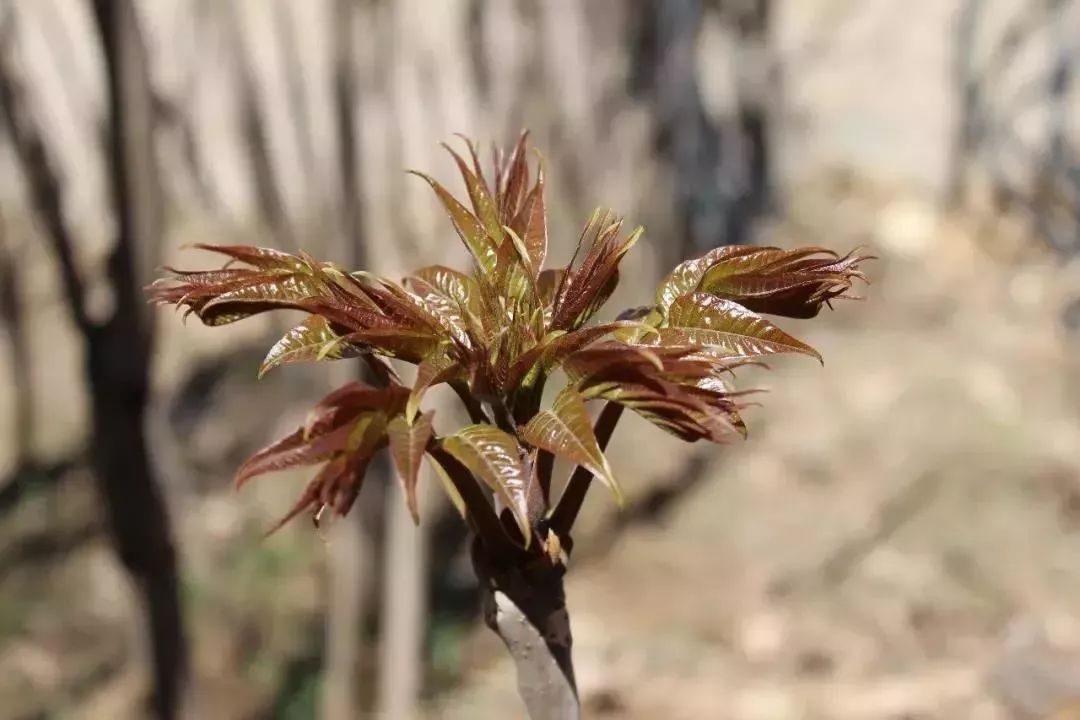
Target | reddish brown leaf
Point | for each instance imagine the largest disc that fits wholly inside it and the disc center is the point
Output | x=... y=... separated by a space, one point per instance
x=294 y=451
x=686 y=275
x=401 y=307
x=310 y=340
x=259 y=257
x=455 y=297
x=550 y=351
x=566 y=431
x=350 y=420
x=408 y=443
x=582 y=291
x=704 y=320
x=218 y=299
x=434 y=369
x=530 y=223
x=494 y=457
x=468 y=226
x=409 y=345
x=308 y=500
x=794 y=283
x=671 y=407
x=675 y=388
x=511 y=191
x=483 y=204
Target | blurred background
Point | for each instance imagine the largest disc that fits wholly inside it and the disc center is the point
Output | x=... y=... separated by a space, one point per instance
x=899 y=537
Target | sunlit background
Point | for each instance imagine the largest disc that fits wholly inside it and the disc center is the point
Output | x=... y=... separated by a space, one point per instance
x=898 y=538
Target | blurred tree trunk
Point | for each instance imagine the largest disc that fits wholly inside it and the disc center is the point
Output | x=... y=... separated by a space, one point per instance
x=12 y=318
x=268 y=194
x=118 y=347
x=984 y=135
x=757 y=90
x=1057 y=182
x=665 y=74
x=345 y=97
x=722 y=168
x=401 y=641
x=285 y=30
x=403 y=569
x=351 y=563
x=354 y=547
x=966 y=135
x=119 y=352
x=352 y=554
x=400 y=568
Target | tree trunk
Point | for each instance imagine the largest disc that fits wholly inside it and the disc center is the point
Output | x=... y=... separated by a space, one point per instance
x=138 y=517
x=119 y=350
x=721 y=166
x=11 y=316
x=967 y=88
x=401 y=637
x=757 y=90
x=353 y=560
x=269 y=195
x=526 y=607
x=664 y=73
x=350 y=563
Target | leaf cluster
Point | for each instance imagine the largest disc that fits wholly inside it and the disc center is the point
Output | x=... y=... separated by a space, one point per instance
x=496 y=334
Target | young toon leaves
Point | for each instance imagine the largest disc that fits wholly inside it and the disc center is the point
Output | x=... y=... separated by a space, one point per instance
x=495 y=334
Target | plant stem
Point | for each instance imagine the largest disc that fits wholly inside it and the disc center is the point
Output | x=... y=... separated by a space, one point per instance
x=481 y=516
x=526 y=607
x=472 y=406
